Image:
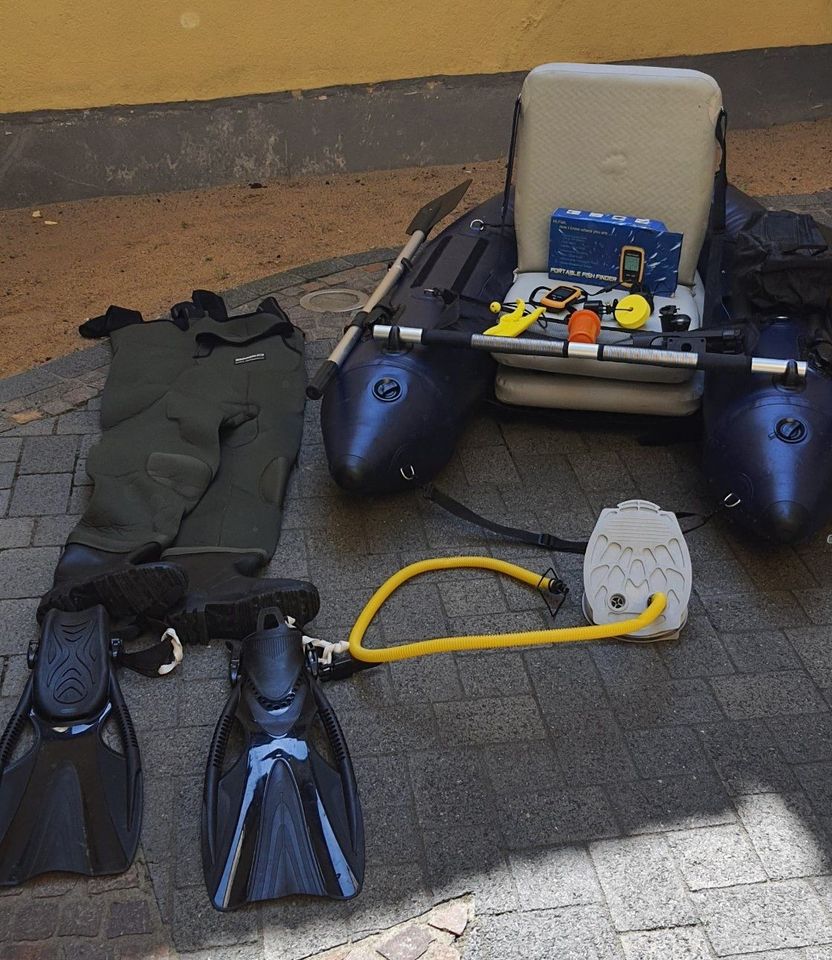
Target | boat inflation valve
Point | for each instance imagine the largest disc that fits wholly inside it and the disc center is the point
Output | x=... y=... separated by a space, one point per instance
x=636 y=551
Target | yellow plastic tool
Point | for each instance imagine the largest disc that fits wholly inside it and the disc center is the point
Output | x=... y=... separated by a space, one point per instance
x=632 y=311
x=407 y=651
x=514 y=323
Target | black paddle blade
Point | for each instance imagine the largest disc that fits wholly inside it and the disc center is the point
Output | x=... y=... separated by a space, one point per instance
x=431 y=213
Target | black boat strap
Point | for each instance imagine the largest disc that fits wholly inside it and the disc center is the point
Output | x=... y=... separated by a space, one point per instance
x=716 y=230
x=697 y=520
x=548 y=541
x=512 y=147
x=825 y=232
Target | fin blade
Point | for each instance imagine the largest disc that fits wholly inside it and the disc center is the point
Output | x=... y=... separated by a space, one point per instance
x=70 y=803
x=286 y=863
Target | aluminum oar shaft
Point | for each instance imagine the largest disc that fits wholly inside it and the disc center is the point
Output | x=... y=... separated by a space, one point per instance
x=421 y=225
x=538 y=347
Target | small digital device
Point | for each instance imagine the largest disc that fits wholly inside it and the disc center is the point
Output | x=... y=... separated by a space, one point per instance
x=613 y=250
x=631 y=266
x=559 y=297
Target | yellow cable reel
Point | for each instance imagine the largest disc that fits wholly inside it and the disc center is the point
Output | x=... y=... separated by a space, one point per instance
x=632 y=312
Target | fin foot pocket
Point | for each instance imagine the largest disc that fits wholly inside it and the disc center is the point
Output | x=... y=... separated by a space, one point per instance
x=70 y=803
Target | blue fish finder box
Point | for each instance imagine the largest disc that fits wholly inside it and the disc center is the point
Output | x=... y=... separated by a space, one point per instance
x=609 y=249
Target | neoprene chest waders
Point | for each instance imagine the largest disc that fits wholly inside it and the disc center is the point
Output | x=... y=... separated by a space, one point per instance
x=201 y=429
x=202 y=417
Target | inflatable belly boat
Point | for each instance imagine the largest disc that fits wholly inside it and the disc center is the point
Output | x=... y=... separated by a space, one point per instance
x=397 y=403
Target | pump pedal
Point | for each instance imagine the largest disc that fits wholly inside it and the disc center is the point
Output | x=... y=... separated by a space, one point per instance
x=637 y=549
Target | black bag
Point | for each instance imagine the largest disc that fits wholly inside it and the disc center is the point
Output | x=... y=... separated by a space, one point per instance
x=782 y=266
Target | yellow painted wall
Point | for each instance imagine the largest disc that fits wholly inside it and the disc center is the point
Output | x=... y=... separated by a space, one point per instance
x=81 y=53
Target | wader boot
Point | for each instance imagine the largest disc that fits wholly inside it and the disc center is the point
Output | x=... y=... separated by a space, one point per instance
x=225 y=596
x=129 y=585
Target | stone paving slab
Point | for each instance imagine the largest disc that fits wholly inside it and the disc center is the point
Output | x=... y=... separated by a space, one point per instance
x=670 y=801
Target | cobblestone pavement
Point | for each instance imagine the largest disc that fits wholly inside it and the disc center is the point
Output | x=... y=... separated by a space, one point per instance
x=599 y=801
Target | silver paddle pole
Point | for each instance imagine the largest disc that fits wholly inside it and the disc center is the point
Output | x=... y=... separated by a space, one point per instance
x=650 y=356
x=421 y=225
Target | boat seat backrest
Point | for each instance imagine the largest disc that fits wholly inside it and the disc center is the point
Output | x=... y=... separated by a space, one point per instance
x=631 y=140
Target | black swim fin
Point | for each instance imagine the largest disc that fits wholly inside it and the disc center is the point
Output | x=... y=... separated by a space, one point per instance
x=71 y=802
x=281 y=815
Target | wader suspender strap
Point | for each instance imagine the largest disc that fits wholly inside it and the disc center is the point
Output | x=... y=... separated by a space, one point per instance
x=212 y=303
x=114 y=319
x=716 y=231
x=248 y=329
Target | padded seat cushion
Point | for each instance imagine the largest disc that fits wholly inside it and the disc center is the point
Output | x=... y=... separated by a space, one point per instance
x=530 y=388
x=632 y=140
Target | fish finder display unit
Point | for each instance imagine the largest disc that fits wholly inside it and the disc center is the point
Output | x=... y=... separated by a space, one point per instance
x=631 y=267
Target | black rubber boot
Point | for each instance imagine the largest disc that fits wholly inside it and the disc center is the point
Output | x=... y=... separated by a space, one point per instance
x=225 y=596
x=129 y=586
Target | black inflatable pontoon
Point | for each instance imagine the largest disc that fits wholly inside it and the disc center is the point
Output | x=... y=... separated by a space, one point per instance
x=393 y=415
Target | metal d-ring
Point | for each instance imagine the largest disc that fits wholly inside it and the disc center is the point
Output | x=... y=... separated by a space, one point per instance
x=731 y=500
x=478 y=225
x=408 y=472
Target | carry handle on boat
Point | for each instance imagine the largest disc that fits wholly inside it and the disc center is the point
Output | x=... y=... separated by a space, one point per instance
x=654 y=357
x=420 y=226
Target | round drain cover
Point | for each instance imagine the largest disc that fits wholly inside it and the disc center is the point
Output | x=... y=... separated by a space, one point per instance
x=387 y=389
x=333 y=300
x=790 y=430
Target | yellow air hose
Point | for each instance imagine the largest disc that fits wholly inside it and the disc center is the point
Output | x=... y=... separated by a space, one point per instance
x=421 y=648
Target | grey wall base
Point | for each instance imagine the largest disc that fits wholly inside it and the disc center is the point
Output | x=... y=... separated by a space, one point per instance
x=69 y=155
